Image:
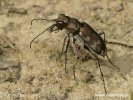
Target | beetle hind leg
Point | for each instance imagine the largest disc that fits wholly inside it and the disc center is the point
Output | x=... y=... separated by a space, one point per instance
x=102 y=76
x=98 y=65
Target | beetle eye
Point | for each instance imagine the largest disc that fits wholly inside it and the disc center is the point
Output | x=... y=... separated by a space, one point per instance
x=60 y=22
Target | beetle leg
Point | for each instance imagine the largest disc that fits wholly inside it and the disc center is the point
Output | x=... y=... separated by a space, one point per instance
x=75 y=71
x=67 y=41
x=107 y=54
x=64 y=44
x=109 y=58
x=75 y=47
x=97 y=59
x=102 y=76
x=76 y=50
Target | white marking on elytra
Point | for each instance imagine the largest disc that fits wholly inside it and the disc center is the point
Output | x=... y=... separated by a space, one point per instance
x=94 y=45
x=87 y=38
x=81 y=33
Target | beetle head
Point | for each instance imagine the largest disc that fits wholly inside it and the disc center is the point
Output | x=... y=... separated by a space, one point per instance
x=62 y=21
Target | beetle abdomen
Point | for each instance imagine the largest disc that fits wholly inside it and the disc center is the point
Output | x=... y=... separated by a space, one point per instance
x=92 y=39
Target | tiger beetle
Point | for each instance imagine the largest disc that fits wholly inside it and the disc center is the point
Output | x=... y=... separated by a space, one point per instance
x=92 y=41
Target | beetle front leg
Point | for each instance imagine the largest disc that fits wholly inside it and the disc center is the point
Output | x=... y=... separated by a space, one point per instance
x=67 y=41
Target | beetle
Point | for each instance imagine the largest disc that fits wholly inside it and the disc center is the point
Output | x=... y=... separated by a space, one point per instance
x=92 y=41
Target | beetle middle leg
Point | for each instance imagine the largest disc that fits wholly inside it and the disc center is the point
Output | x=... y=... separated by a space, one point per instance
x=76 y=50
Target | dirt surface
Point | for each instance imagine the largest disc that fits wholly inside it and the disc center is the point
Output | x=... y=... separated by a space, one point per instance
x=37 y=73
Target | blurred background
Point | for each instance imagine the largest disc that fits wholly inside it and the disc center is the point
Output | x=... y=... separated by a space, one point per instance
x=38 y=72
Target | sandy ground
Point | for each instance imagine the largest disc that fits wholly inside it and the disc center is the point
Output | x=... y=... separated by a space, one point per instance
x=37 y=73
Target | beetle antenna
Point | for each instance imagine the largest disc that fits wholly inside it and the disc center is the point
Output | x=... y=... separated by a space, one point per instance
x=40 y=19
x=42 y=33
x=37 y=36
